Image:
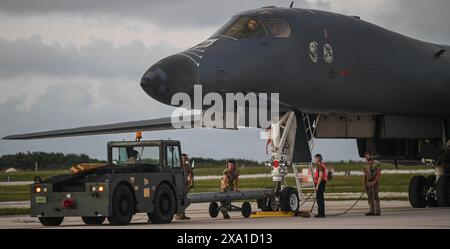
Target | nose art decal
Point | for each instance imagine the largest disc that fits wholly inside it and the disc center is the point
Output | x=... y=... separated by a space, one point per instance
x=196 y=53
x=328 y=53
x=313 y=51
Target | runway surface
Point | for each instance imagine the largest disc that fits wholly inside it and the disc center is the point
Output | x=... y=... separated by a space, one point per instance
x=396 y=214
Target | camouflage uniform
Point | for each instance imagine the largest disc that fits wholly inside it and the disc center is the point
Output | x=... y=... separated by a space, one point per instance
x=189 y=183
x=370 y=172
x=189 y=176
x=231 y=177
x=227 y=186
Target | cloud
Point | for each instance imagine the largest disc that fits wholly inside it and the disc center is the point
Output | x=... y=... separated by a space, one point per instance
x=169 y=14
x=84 y=63
x=53 y=110
x=98 y=59
x=425 y=20
x=69 y=105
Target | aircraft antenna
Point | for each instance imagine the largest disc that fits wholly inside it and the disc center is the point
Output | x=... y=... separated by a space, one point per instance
x=292 y=4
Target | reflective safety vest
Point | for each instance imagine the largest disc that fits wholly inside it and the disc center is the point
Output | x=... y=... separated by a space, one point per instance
x=316 y=173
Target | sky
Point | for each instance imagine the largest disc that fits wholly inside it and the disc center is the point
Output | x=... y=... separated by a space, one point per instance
x=69 y=63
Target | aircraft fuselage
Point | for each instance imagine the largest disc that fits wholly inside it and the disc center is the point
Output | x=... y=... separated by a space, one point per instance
x=329 y=63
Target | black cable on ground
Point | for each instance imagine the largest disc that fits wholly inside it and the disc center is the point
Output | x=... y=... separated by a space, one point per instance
x=346 y=211
x=312 y=208
x=307 y=199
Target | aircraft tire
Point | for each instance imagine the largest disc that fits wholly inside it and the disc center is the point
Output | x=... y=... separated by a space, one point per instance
x=266 y=205
x=432 y=202
x=443 y=191
x=122 y=206
x=269 y=204
x=417 y=191
x=289 y=200
x=164 y=205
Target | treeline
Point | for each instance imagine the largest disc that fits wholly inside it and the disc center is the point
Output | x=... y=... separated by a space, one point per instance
x=26 y=161
x=211 y=163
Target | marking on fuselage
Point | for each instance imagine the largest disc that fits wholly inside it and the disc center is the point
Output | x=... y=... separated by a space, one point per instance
x=313 y=51
x=197 y=50
x=328 y=53
x=192 y=59
x=226 y=36
x=189 y=52
x=206 y=43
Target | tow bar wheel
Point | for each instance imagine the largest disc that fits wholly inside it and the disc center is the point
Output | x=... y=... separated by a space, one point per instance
x=289 y=201
x=213 y=209
x=246 y=209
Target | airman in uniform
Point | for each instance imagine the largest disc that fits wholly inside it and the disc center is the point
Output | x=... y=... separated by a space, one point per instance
x=230 y=178
x=229 y=182
x=371 y=182
x=252 y=25
x=132 y=155
x=320 y=180
x=188 y=181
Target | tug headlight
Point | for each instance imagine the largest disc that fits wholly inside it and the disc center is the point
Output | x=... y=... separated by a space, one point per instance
x=97 y=188
x=37 y=189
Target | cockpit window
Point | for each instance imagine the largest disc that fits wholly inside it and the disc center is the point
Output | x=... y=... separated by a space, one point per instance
x=278 y=27
x=130 y=155
x=244 y=27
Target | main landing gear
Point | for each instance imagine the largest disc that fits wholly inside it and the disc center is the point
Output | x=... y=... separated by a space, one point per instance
x=431 y=191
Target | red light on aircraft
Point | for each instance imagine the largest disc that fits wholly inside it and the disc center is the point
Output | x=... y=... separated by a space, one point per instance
x=345 y=73
x=276 y=163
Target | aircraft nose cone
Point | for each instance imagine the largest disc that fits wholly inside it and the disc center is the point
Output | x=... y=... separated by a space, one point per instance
x=154 y=81
x=169 y=76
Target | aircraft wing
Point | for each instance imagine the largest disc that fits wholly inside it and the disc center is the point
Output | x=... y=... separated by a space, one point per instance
x=125 y=127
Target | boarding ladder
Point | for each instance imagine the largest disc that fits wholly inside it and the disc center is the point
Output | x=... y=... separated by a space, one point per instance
x=303 y=172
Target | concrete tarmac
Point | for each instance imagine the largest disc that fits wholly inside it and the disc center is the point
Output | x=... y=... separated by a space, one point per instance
x=396 y=214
